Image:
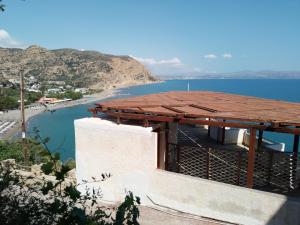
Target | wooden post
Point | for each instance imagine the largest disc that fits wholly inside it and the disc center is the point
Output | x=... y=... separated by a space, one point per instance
x=167 y=127
x=23 y=121
x=296 y=144
x=146 y=123
x=251 y=158
x=295 y=158
x=158 y=148
x=223 y=134
x=260 y=136
x=208 y=129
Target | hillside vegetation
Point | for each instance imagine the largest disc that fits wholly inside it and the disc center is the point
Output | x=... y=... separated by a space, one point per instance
x=89 y=69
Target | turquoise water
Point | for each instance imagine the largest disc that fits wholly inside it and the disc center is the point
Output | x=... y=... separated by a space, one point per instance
x=58 y=126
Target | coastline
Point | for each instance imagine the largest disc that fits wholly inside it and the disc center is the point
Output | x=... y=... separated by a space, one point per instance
x=31 y=111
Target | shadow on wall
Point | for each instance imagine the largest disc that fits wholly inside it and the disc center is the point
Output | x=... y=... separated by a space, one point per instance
x=288 y=214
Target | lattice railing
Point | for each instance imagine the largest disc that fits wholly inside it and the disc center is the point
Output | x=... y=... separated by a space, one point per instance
x=273 y=171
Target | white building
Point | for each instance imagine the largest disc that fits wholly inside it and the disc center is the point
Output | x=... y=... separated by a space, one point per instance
x=145 y=148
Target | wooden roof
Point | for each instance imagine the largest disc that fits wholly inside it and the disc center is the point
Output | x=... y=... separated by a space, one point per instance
x=205 y=104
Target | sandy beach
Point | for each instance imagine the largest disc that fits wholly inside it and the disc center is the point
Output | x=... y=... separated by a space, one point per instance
x=33 y=110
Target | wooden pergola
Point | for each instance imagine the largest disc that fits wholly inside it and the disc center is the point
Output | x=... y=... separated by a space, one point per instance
x=212 y=109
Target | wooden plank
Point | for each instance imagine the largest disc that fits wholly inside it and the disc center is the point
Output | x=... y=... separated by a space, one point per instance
x=203 y=108
x=251 y=158
x=172 y=109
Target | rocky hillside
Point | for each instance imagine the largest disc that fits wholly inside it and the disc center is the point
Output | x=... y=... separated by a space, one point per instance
x=77 y=68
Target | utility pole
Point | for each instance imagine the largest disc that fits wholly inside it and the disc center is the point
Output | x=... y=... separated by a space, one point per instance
x=23 y=122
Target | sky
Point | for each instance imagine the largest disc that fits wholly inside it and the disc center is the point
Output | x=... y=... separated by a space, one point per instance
x=168 y=36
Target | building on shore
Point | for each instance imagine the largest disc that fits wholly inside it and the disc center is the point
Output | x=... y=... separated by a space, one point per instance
x=46 y=100
x=199 y=152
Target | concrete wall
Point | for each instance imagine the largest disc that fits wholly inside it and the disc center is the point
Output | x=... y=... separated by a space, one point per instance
x=232 y=135
x=268 y=144
x=221 y=201
x=129 y=154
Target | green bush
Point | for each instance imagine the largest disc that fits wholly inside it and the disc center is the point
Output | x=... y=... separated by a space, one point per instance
x=31 y=200
x=68 y=94
x=14 y=150
x=8 y=102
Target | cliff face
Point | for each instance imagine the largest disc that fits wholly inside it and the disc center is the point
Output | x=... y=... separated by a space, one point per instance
x=78 y=68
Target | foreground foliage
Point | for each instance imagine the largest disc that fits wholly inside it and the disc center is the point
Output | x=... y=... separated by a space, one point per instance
x=14 y=150
x=34 y=200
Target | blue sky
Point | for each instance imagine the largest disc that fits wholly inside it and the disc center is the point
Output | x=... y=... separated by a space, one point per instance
x=168 y=36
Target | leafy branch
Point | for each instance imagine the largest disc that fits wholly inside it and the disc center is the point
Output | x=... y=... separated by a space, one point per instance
x=2 y=6
x=32 y=200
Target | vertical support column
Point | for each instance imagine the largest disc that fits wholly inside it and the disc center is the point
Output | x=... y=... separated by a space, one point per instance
x=260 y=136
x=251 y=158
x=172 y=146
x=294 y=162
x=166 y=156
x=223 y=134
x=296 y=144
x=161 y=148
x=208 y=129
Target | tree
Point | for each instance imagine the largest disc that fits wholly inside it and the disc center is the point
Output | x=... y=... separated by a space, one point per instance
x=2 y=6
x=8 y=102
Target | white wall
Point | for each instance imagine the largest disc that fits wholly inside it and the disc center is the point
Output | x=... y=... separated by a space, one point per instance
x=232 y=135
x=129 y=154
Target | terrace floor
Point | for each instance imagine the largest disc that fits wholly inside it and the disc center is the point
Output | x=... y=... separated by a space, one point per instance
x=150 y=216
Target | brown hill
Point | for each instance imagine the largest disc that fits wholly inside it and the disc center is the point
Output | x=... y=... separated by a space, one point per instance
x=77 y=68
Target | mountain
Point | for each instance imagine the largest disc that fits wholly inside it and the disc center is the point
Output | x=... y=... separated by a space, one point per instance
x=89 y=69
x=235 y=75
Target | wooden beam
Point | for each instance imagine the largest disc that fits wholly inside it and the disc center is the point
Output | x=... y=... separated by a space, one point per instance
x=221 y=123
x=241 y=125
x=140 y=116
x=284 y=130
x=251 y=158
x=183 y=120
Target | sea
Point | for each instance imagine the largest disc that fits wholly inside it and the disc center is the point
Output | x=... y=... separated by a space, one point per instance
x=58 y=126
